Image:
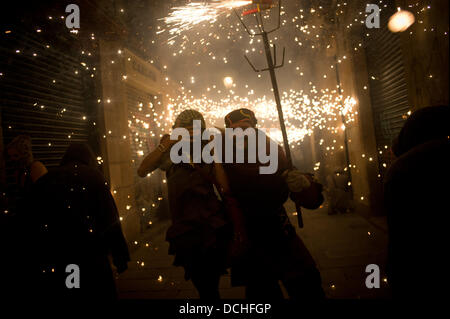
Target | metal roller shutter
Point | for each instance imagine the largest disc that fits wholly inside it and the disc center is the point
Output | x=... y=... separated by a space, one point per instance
x=43 y=93
x=388 y=88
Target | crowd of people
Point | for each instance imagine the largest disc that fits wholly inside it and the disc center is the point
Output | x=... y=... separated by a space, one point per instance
x=245 y=215
x=225 y=216
x=57 y=218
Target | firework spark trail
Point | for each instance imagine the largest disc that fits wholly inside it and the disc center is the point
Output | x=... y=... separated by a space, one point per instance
x=186 y=17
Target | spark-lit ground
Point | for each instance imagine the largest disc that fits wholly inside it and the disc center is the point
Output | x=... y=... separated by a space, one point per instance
x=342 y=245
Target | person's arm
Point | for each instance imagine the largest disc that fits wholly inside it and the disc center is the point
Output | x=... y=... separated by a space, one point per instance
x=233 y=209
x=37 y=170
x=107 y=225
x=153 y=160
x=114 y=238
x=283 y=163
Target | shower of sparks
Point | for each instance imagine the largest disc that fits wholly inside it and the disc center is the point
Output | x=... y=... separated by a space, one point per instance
x=303 y=114
x=204 y=33
x=186 y=17
x=205 y=36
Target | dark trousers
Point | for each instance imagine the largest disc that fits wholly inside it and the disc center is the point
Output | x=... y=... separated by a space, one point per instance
x=207 y=283
x=307 y=287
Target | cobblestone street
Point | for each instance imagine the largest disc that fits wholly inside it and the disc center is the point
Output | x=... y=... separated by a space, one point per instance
x=342 y=245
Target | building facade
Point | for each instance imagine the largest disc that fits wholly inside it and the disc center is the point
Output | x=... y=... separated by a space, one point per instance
x=61 y=86
x=389 y=75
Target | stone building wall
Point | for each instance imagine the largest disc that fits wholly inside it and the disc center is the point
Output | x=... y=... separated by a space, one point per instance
x=121 y=71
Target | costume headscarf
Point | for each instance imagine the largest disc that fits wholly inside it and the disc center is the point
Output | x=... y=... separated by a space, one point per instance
x=241 y=115
x=186 y=118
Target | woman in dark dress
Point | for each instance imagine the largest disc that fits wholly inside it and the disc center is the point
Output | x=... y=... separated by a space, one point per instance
x=13 y=223
x=26 y=170
x=75 y=222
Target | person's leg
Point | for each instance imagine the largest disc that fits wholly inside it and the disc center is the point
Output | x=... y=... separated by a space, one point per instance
x=207 y=284
x=263 y=289
x=301 y=278
x=332 y=203
x=308 y=286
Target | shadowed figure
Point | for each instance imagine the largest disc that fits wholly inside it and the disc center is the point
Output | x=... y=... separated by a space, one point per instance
x=339 y=196
x=199 y=233
x=75 y=221
x=416 y=194
x=276 y=252
x=25 y=170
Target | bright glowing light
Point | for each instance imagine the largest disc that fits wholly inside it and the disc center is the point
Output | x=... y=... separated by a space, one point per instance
x=303 y=114
x=228 y=82
x=401 y=21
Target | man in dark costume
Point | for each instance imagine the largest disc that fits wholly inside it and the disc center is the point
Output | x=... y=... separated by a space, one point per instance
x=276 y=252
x=75 y=221
x=416 y=190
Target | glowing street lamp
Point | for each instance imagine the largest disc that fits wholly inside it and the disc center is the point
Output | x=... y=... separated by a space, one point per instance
x=228 y=82
x=401 y=21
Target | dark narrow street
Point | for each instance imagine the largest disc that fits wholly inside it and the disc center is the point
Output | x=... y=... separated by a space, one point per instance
x=342 y=245
x=305 y=145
